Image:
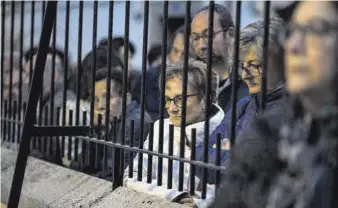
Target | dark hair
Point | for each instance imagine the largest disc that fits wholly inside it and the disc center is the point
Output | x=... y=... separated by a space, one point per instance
x=286 y=12
x=154 y=53
x=225 y=17
x=180 y=30
x=116 y=44
x=101 y=62
x=33 y=51
x=115 y=75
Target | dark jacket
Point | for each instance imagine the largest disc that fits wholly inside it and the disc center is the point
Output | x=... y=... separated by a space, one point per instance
x=224 y=96
x=247 y=109
x=152 y=95
x=133 y=113
x=282 y=162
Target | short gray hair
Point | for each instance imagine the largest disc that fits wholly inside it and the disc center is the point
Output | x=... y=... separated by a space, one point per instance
x=197 y=77
x=252 y=35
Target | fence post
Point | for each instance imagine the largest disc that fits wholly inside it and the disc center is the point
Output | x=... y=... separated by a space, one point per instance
x=30 y=116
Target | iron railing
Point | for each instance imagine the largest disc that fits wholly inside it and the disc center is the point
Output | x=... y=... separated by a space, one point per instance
x=47 y=131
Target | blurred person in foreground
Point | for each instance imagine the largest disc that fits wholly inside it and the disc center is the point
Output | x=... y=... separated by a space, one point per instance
x=251 y=69
x=195 y=119
x=292 y=162
x=223 y=38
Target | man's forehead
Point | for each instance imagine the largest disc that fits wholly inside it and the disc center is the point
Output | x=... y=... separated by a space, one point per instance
x=201 y=21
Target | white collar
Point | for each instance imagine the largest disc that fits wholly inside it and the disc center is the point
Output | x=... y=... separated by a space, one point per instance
x=213 y=123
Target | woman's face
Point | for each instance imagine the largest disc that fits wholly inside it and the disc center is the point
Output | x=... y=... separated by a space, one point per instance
x=177 y=51
x=174 y=99
x=310 y=49
x=100 y=101
x=251 y=67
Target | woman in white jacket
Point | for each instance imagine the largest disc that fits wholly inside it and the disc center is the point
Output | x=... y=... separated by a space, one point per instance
x=195 y=118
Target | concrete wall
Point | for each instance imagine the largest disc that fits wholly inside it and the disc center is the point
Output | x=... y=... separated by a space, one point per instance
x=48 y=185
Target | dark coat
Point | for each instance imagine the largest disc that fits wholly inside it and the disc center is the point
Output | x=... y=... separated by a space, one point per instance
x=153 y=95
x=224 y=96
x=246 y=111
x=133 y=112
x=282 y=161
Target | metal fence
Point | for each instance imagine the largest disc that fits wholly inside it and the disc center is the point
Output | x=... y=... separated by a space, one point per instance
x=20 y=125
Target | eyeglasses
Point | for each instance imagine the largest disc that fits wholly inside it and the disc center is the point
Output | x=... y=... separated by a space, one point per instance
x=194 y=38
x=178 y=100
x=316 y=28
x=252 y=69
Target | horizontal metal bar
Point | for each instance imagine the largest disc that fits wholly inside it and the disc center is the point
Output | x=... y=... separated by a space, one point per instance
x=162 y=155
x=60 y=130
x=8 y=120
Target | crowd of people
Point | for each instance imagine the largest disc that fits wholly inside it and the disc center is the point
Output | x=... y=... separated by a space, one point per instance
x=284 y=156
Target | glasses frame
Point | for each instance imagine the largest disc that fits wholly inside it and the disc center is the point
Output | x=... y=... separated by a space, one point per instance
x=205 y=37
x=167 y=100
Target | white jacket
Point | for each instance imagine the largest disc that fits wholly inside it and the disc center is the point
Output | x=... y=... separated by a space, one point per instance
x=162 y=191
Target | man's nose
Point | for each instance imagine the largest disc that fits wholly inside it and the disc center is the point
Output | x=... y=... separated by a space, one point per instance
x=295 y=44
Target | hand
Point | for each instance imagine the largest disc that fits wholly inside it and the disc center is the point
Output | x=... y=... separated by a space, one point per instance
x=185 y=199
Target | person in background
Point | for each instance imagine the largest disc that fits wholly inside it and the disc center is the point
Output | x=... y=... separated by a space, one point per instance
x=223 y=38
x=292 y=161
x=86 y=69
x=176 y=47
x=133 y=113
x=251 y=68
x=17 y=64
x=175 y=54
x=195 y=119
x=154 y=56
x=56 y=97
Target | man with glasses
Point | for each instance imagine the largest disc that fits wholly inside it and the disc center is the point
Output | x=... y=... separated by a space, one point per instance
x=223 y=36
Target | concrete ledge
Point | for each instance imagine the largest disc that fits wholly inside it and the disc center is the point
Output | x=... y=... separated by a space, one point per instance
x=49 y=185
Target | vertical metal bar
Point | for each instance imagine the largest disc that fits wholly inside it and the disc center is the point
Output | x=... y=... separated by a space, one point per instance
x=163 y=71
x=131 y=154
x=43 y=10
x=31 y=40
x=116 y=161
x=208 y=98
x=52 y=86
x=265 y=52
x=11 y=70
x=5 y=122
x=218 y=160
x=192 y=157
x=84 y=143
x=108 y=81
x=79 y=64
x=21 y=66
x=3 y=16
x=234 y=75
x=184 y=87
x=94 y=67
x=143 y=85
x=70 y=138
x=58 y=151
x=24 y=107
x=15 y=105
x=64 y=94
x=45 y=122
x=150 y=157
x=21 y=162
x=125 y=82
x=170 y=152
x=98 y=146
